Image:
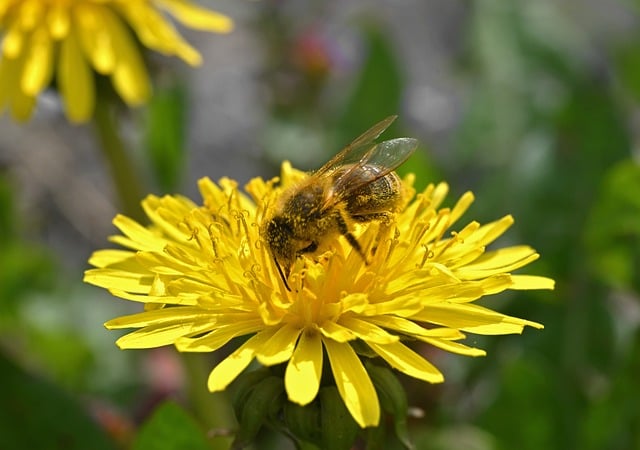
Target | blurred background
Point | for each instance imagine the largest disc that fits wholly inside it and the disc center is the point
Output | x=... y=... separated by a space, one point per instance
x=532 y=105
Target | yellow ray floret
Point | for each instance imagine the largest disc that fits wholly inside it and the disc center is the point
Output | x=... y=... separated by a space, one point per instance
x=69 y=40
x=205 y=278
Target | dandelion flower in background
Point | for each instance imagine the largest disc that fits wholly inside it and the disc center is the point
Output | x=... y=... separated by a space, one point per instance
x=205 y=277
x=66 y=41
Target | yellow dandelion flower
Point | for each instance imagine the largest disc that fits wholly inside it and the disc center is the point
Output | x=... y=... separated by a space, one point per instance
x=205 y=277
x=70 y=39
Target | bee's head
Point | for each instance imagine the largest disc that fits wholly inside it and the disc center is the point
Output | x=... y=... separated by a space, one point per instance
x=278 y=236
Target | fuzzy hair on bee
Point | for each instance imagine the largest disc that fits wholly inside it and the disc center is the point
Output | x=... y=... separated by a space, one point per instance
x=357 y=185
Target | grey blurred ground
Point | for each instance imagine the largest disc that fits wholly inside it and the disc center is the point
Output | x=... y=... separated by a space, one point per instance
x=64 y=194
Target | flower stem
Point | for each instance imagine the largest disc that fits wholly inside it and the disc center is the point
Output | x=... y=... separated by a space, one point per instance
x=123 y=173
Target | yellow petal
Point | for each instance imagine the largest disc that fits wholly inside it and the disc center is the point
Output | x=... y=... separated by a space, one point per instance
x=508 y=325
x=184 y=298
x=367 y=331
x=353 y=383
x=162 y=264
x=280 y=347
x=456 y=315
x=168 y=213
x=118 y=279
x=225 y=372
x=103 y=258
x=13 y=41
x=129 y=76
x=303 y=373
x=453 y=347
x=159 y=335
x=461 y=206
x=129 y=264
x=496 y=283
x=525 y=282
x=438 y=194
x=336 y=332
x=11 y=95
x=58 y=21
x=30 y=13
x=507 y=257
x=410 y=328
x=75 y=80
x=492 y=231
x=221 y=335
x=160 y=316
x=402 y=305
x=95 y=35
x=141 y=237
x=158 y=34
x=195 y=17
x=407 y=361
x=498 y=261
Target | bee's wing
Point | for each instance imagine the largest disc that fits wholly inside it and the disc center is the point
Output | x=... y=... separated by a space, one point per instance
x=387 y=156
x=356 y=150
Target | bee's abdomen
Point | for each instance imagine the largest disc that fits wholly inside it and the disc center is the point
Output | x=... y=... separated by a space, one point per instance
x=375 y=198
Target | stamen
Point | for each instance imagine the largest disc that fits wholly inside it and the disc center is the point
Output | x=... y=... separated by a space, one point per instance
x=213 y=239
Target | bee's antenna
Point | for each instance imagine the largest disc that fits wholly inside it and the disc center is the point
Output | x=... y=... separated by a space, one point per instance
x=284 y=279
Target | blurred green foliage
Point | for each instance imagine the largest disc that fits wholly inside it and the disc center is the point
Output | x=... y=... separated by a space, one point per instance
x=378 y=90
x=36 y=413
x=170 y=428
x=166 y=119
x=24 y=266
x=546 y=133
x=613 y=246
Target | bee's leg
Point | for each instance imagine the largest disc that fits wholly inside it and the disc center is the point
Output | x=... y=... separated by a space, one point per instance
x=385 y=219
x=344 y=230
x=382 y=216
x=309 y=248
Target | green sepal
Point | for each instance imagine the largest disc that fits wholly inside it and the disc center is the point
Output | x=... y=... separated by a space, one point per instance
x=393 y=399
x=303 y=421
x=362 y=349
x=338 y=428
x=376 y=437
x=243 y=385
x=262 y=402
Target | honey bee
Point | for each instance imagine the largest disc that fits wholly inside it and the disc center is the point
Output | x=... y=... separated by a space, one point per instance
x=357 y=185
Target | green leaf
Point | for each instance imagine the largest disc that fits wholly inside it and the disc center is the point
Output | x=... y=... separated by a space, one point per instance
x=24 y=267
x=456 y=437
x=165 y=135
x=523 y=382
x=612 y=417
x=7 y=210
x=613 y=229
x=170 y=428
x=35 y=414
x=628 y=62
x=378 y=92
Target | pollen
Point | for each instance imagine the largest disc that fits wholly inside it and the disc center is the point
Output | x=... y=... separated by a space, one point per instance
x=205 y=276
